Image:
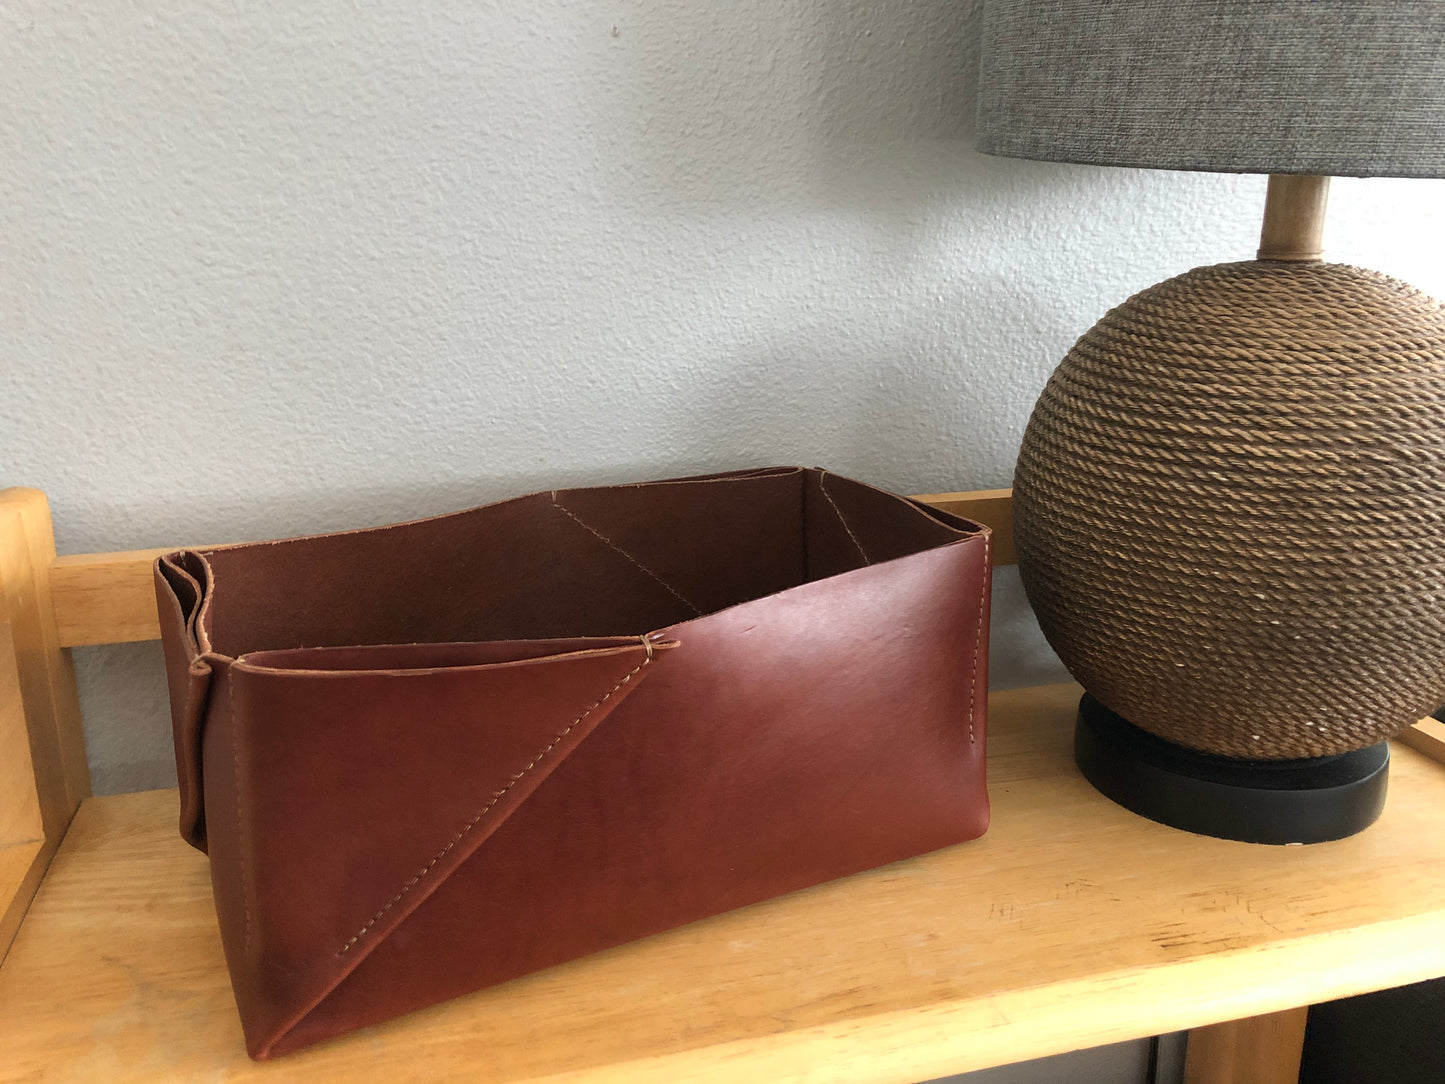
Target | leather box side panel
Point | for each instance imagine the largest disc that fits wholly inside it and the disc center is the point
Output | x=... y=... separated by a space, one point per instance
x=802 y=737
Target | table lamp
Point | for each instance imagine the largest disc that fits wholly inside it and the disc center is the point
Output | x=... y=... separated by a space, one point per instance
x=1230 y=498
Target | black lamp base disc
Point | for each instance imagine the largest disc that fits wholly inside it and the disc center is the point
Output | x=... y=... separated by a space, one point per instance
x=1257 y=801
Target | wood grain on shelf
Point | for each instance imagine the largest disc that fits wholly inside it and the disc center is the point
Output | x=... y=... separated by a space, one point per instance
x=1259 y=1050
x=108 y=598
x=1071 y=923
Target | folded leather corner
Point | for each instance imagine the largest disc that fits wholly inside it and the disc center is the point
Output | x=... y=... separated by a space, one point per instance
x=180 y=592
x=389 y=812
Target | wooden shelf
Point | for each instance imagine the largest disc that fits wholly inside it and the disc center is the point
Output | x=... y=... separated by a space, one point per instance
x=1071 y=923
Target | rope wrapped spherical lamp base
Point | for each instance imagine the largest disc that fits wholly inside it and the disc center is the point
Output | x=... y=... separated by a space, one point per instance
x=1229 y=506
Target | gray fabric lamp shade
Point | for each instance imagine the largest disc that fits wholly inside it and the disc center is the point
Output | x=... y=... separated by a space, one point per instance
x=1341 y=87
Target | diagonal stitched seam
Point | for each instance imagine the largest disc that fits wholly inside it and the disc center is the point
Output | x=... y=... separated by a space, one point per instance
x=978 y=639
x=240 y=817
x=603 y=538
x=823 y=488
x=496 y=797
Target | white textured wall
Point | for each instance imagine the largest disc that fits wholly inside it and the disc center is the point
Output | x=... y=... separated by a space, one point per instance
x=266 y=270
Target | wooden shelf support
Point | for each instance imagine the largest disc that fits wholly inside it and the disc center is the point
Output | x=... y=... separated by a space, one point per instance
x=1256 y=1050
x=43 y=771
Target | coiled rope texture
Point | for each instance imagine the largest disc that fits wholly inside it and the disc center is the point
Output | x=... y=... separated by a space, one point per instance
x=1230 y=509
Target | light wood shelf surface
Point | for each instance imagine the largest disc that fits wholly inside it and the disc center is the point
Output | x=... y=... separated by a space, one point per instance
x=1071 y=923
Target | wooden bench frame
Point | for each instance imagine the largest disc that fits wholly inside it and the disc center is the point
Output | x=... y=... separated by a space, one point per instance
x=53 y=603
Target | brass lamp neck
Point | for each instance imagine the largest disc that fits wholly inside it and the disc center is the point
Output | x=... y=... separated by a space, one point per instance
x=1294 y=218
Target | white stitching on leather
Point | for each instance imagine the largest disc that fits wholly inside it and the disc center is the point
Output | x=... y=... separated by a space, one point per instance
x=978 y=636
x=823 y=488
x=240 y=819
x=602 y=537
x=496 y=797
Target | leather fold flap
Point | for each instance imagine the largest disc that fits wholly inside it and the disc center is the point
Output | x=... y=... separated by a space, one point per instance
x=182 y=580
x=388 y=767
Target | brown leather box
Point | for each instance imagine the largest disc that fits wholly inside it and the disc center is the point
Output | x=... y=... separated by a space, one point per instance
x=431 y=757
